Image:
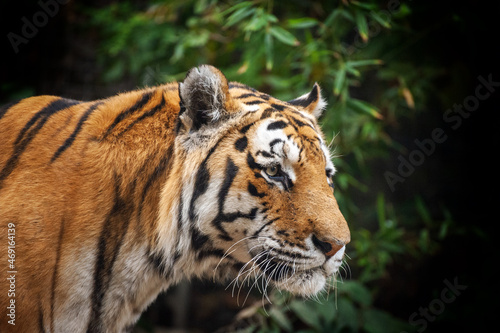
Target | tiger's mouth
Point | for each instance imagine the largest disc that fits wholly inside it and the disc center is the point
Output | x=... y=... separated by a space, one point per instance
x=305 y=277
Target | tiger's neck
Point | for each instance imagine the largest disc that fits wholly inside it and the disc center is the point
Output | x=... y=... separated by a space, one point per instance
x=140 y=159
x=150 y=217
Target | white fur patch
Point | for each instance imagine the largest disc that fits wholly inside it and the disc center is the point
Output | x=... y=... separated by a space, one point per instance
x=251 y=108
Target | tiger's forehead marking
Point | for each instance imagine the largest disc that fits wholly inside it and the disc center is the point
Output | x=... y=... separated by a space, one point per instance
x=280 y=137
x=271 y=142
x=279 y=123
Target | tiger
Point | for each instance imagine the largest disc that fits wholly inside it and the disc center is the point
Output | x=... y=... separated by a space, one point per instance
x=105 y=204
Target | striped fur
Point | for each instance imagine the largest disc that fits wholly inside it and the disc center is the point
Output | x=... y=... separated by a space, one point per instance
x=117 y=199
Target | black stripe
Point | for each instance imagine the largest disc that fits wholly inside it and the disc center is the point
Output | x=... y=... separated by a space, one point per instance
x=69 y=141
x=145 y=115
x=277 y=125
x=201 y=182
x=198 y=239
x=231 y=217
x=254 y=102
x=54 y=276
x=265 y=96
x=290 y=254
x=268 y=112
x=299 y=122
x=265 y=154
x=251 y=162
x=179 y=211
x=246 y=95
x=159 y=262
x=200 y=187
x=137 y=106
x=164 y=167
x=300 y=115
x=241 y=85
x=30 y=130
x=245 y=128
x=43 y=115
x=254 y=192
x=275 y=142
x=41 y=324
x=178 y=122
x=241 y=144
x=278 y=107
x=6 y=107
x=110 y=241
x=230 y=173
x=214 y=253
x=264 y=226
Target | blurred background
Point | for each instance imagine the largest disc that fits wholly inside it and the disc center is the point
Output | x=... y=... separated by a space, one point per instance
x=412 y=89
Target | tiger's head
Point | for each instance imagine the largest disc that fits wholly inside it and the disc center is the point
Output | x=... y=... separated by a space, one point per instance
x=256 y=191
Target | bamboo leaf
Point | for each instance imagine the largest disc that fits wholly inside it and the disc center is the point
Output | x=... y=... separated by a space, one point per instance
x=306 y=314
x=239 y=15
x=384 y=21
x=364 y=107
x=365 y=62
x=281 y=319
x=284 y=36
x=357 y=292
x=339 y=81
x=268 y=43
x=241 y=5
x=361 y=25
x=302 y=23
x=381 y=209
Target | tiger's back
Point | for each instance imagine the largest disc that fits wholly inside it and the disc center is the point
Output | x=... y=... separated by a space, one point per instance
x=109 y=202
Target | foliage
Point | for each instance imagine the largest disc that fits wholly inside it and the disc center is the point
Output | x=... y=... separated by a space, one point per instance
x=350 y=309
x=359 y=53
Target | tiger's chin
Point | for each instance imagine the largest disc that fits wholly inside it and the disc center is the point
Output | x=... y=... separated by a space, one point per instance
x=306 y=283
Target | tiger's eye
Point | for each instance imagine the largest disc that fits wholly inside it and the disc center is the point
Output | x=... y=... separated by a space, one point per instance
x=272 y=171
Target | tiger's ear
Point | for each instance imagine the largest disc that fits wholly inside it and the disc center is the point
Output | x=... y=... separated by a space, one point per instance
x=204 y=94
x=311 y=102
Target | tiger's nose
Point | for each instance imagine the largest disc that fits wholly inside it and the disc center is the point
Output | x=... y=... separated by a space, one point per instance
x=328 y=246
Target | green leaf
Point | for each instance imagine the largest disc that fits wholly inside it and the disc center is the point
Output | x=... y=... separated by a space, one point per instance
x=364 y=107
x=381 y=208
x=302 y=23
x=377 y=321
x=281 y=319
x=241 y=5
x=366 y=62
x=268 y=44
x=367 y=6
x=256 y=23
x=356 y=291
x=334 y=17
x=383 y=21
x=361 y=25
x=339 y=81
x=284 y=36
x=347 y=314
x=424 y=240
x=423 y=211
x=306 y=314
x=239 y=15
x=328 y=310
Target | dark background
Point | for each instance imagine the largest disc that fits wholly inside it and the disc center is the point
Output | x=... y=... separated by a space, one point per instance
x=62 y=58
